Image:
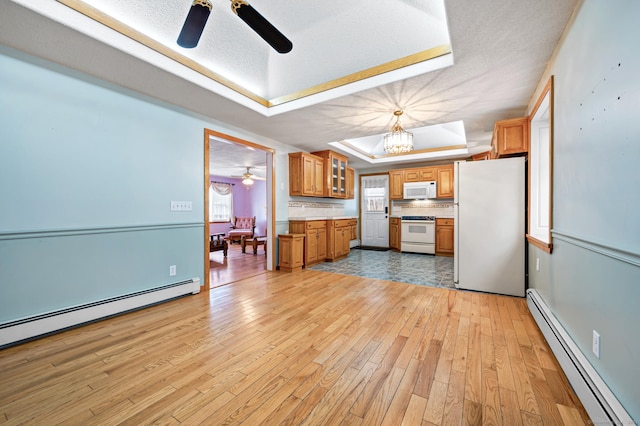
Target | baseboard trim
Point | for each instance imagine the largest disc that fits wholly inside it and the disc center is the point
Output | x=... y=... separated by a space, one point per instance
x=596 y=397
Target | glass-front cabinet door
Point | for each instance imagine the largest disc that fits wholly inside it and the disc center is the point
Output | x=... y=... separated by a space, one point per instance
x=335 y=173
x=338 y=177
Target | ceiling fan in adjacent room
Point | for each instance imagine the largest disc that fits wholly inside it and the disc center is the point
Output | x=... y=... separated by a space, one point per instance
x=248 y=177
x=201 y=9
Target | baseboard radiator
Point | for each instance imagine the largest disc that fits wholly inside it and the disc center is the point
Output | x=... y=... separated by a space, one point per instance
x=601 y=404
x=24 y=329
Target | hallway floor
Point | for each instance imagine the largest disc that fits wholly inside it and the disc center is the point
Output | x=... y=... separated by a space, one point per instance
x=413 y=268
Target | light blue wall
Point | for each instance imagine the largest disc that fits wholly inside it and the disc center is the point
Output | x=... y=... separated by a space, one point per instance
x=87 y=174
x=592 y=279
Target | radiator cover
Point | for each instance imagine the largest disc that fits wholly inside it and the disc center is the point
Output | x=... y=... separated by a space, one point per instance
x=596 y=397
x=18 y=331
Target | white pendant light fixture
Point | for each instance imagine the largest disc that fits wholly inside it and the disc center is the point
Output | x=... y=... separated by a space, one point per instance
x=247 y=181
x=398 y=141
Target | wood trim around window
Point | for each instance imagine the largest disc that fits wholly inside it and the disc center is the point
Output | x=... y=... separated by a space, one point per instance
x=547 y=247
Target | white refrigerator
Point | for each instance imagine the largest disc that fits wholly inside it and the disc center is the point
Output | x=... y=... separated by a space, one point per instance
x=489 y=228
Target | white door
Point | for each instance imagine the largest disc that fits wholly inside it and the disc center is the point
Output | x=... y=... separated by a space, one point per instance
x=375 y=211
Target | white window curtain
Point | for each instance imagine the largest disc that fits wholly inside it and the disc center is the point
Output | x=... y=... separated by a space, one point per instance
x=373 y=189
x=220 y=202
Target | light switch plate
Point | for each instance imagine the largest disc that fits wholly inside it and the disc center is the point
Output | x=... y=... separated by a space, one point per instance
x=181 y=206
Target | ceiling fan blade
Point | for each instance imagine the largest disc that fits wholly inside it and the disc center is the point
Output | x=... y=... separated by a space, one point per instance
x=261 y=26
x=194 y=24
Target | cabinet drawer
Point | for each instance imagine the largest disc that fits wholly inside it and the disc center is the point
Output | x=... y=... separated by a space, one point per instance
x=342 y=222
x=443 y=221
x=315 y=224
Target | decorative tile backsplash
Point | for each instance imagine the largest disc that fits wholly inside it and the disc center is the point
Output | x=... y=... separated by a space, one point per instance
x=312 y=208
x=422 y=208
x=398 y=208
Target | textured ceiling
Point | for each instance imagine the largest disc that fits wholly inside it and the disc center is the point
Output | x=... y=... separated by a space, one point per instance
x=500 y=51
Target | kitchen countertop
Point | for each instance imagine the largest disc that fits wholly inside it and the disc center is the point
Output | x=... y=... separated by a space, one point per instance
x=307 y=218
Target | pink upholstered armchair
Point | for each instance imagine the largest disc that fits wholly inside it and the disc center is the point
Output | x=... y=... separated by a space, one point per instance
x=242 y=226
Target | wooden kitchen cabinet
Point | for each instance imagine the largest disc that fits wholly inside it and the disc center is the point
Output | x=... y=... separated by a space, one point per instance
x=338 y=237
x=353 y=229
x=315 y=243
x=394 y=233
x=444 y=237
x=445 y=184
x=510 y=137
x=335 y=173
x=422 y=174
x=351 y=177
x=291 y=248
x=396 y=184
x=481 y=156
x=306 y=173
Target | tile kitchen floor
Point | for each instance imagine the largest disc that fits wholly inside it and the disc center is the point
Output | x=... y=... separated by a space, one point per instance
x=413 y=268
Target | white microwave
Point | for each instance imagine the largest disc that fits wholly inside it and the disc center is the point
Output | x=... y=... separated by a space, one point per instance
x=419 y=190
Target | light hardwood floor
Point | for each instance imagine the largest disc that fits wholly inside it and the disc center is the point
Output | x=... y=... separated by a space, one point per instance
x=303 y=348
x=237 y=265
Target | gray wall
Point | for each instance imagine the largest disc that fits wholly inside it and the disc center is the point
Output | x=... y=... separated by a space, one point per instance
x=591 y=281
x=87 y=174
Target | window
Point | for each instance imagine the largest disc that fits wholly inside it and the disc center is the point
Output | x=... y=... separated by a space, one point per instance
x=540 y=170
x=374 y=194
x=220 y=202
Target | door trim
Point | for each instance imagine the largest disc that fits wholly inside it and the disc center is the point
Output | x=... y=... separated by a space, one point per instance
x=271 y=199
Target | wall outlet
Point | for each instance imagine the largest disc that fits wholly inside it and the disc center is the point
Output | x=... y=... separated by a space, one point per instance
x=172 y=270
x=595 y=344
x=537 y=263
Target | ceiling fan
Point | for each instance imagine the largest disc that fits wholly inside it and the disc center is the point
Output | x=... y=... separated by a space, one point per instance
x=201 y=9
x=248 y=177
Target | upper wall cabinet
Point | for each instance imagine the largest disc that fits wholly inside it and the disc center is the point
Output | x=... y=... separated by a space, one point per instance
x=306 y=173
x=510 y=137
x=443 y=175
x=335 y=174
x=396 y=182
x=321 y=174
x=444 y=187
x=351 y=177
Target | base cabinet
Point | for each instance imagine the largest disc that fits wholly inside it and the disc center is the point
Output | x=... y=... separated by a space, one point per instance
x=444 y=237
x=338 y=237
x=394 y=233
x=291 y=252
x=315 y=243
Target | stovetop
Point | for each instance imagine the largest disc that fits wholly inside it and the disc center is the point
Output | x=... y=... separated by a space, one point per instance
x=418 y=218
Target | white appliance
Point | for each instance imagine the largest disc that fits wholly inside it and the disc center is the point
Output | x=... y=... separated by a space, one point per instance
x=418 y=234
x=419 y=190
x=489 y=209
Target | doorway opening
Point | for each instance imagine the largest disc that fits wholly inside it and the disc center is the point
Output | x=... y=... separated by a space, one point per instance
x=225 y=157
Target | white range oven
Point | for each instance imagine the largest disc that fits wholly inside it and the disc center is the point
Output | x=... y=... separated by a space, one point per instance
x=418 y=234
